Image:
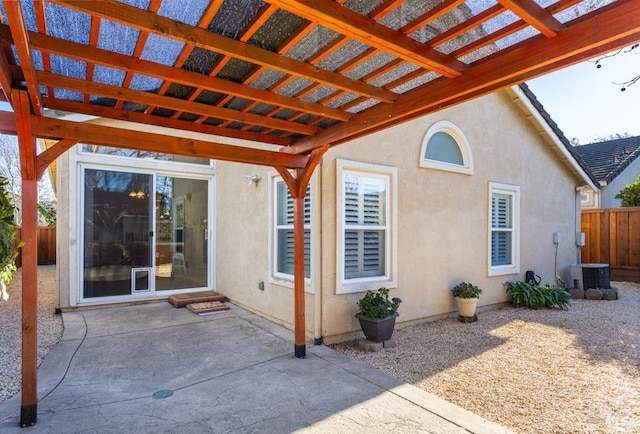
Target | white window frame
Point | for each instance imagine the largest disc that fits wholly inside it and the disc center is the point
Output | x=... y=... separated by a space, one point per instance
x=389 y=174
x=284 y=279
x=514 y=192
x=463 y=144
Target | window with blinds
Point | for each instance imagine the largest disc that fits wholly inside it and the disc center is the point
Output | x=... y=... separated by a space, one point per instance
x=501 y=229
x=503 y=237
x=284 y=230
x=365 y=226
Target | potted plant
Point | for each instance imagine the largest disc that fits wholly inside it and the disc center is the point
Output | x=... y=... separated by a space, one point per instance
x=377 y=314
x=466 y=295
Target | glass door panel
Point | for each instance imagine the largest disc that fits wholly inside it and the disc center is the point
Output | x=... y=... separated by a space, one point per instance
x=117 y=231
x=181 y=233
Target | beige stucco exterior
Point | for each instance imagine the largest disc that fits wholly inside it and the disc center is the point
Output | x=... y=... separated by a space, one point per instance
x=442 y=220
x=440 y=229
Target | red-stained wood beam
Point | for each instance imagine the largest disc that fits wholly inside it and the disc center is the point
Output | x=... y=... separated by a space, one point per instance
x=49 y=155
x=41 y=23
x=385 y=8
x=147 y=98
x=354 y=25
x=8 y=123
x=206 y=18
x=18 y=28
x=431 y=15
x=27 y=148
x=84 y=132
x=6 y=78
x=137 y=51
x=146 y=21
x=141 y=118
x=92 y=55
x=596 y=33
x=299 y=326
x=298 y=184
x=535 y=15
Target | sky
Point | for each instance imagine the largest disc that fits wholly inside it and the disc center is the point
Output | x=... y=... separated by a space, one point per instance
x=586 y=104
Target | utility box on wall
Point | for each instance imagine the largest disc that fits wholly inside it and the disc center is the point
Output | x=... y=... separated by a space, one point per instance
x=591 y=276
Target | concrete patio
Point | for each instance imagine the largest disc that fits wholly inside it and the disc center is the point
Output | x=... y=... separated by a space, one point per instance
x=154 y=368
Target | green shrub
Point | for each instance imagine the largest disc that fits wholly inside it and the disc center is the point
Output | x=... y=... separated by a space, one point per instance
x=536 y=296
x=9 y=243
x=376 y=304
x=466 y=290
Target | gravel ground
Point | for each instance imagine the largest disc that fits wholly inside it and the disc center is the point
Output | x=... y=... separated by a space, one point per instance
x=534 y=371
x=49 y=327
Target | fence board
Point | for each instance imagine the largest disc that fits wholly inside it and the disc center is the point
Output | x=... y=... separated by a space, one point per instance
x=612 y=236
x=46 y=246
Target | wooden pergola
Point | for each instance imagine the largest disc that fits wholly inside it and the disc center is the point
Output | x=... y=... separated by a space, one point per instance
x=296 y=76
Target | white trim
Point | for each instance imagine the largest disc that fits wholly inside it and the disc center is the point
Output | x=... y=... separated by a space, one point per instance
x=169 y=169
x=283 y=279
x=514 y=192
x=389 y=280
x=462 y=142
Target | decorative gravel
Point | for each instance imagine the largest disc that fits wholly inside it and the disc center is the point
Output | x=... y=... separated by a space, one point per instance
x=49 y=328
x=533 y=371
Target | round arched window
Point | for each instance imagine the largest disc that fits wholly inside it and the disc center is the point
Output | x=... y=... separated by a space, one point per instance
x=445 y=148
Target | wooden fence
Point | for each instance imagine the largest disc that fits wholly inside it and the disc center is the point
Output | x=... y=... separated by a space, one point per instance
x=46 y=246
x=612 y=236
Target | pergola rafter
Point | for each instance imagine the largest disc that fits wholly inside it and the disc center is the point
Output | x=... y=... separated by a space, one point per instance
x=283 y=80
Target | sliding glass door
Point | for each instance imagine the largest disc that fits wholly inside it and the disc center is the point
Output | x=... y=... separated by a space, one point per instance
x=182 y=233
x=118 y=235
x=143 y=233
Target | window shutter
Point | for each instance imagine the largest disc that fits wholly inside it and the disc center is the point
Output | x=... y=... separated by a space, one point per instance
x=284 y=230
x=365 y=206
x=501 y=229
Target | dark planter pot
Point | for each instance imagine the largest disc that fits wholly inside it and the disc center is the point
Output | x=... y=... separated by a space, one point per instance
x=377 y=329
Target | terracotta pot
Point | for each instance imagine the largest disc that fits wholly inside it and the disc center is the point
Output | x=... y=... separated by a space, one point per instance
x=466 y=306
x=377 y=329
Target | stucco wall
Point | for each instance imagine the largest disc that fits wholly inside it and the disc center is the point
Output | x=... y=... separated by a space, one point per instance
x=442 y=219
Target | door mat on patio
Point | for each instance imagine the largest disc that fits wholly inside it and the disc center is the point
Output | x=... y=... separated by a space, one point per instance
x=207 y=307
x=182 y=300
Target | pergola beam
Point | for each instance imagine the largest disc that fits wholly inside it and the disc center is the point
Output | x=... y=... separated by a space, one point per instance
x=347 y=22
x=147 y=98
x=147 y=21
x=130 y=64
x=23 y=48
x=159 y=121
x=84 y=132
x=610 y=27
x=535 y=15
x=5 y=76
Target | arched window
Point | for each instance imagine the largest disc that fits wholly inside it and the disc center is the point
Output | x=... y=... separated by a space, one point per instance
x=446 y=148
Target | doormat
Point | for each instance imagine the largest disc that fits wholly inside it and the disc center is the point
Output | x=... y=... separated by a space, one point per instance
x=182 y=300
x=207 y=307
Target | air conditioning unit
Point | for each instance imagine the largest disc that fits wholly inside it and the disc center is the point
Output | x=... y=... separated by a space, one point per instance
x=588 y=276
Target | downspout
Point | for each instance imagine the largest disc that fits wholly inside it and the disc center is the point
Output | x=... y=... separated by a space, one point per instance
x=317 y=285
x=578 y=223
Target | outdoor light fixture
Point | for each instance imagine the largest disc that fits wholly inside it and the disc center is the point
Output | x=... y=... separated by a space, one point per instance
x=254 y=179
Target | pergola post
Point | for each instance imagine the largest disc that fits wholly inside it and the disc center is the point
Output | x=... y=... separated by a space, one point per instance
x=298 y=276
x=27 y=146
x=298 y=185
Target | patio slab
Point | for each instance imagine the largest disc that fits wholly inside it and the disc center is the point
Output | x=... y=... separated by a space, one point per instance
x=154 y=368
